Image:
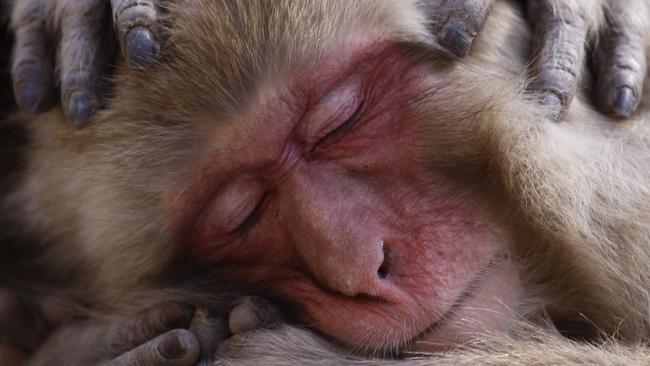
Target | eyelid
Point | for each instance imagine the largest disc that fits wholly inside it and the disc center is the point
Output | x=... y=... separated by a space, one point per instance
x=336 y=107
x=234 y=205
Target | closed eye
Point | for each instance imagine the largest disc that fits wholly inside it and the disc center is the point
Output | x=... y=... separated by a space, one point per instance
x=340 y=131
x=251 y=219
x=235 y=209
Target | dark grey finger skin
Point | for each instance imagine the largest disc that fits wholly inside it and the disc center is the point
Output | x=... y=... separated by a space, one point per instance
x=135 y=21
x=32 y=67
x=460 y=22
x=559 y=36
x=20 y=324
x=81 y=57
x=175 y=348
x=619 y=58
x=210 y=329
x=126 y=335
x=252 y=313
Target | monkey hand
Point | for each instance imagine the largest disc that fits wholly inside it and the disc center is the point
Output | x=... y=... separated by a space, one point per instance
x=211 y=329
x=614 y=31
x=157 y=336
x=172 y=334
x=83 y=49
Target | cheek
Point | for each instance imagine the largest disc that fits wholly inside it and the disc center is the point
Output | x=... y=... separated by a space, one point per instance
x=440 y=248
x=264 y=247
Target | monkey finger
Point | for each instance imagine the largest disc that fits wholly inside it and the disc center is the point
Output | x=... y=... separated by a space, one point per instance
x=560 y=32
x=210 y=329
x=32 y=67
x=135 y=21
x=252 y=313
x=126 y=335
x=463 y=19
x=620 y=60
x=82 y=30
x=175 y=348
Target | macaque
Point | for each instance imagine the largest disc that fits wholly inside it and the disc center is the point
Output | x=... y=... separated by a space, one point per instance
x=388 y=201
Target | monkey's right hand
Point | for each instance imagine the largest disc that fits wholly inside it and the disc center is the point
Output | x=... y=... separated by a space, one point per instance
x=156 y=337
x=173 y=334
x=84 y=39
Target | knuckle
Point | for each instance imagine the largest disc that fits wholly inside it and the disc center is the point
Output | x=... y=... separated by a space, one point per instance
x=173 y=315
x=558 y=74
x=621 y=68
x=563 y=86
x=623 y=58
x=126 y=335
x=129 y=13
x=116 y=341
x=25 y=13
x=471 y=10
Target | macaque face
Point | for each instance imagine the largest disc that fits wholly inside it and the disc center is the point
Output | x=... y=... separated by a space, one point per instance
x=326 y=191
x=333 y=162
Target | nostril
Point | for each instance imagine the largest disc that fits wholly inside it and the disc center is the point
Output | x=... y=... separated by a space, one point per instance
x=382 y=272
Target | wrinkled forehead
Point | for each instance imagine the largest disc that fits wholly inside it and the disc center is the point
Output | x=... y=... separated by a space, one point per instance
x=240 y=43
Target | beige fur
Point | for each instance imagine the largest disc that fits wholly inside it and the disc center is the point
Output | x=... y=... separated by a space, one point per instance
x=577 y=193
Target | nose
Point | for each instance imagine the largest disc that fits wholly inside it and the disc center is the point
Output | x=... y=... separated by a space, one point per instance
x=338 y=239
x=348 y=265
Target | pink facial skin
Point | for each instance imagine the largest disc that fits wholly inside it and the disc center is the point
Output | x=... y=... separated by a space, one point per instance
x=323 y=192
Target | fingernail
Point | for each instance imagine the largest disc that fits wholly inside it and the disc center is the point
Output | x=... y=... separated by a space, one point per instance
x=455 y=38
x=171 y=347
x=245 y=317
x=27 y=97
x=34 y=90
x=141 y=47
x=80 y=108
x=551 y=99
x=177 y=315
x=625 y=102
